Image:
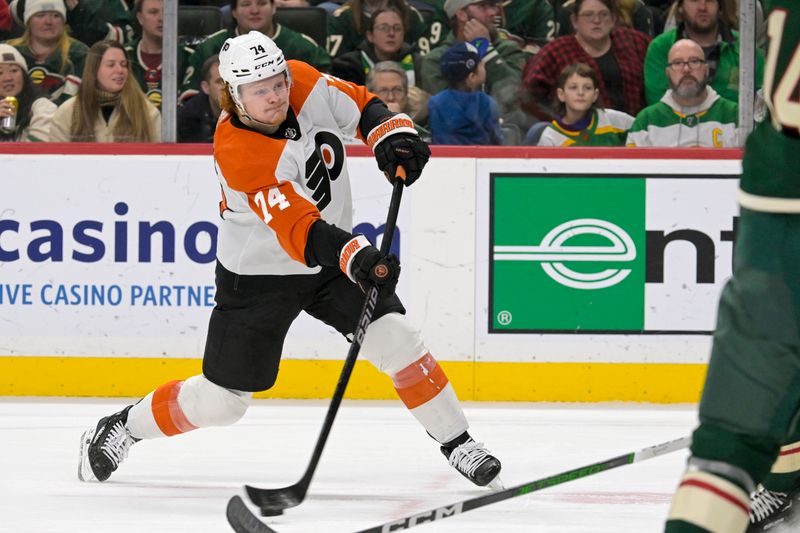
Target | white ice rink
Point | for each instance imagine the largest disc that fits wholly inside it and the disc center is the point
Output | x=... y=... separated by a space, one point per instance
x=378 y=465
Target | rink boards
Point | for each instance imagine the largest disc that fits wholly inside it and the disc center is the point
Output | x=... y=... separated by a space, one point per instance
x=534 y=274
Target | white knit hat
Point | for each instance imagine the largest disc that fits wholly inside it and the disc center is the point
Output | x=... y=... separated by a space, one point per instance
x=9 y=54
x=37 y=6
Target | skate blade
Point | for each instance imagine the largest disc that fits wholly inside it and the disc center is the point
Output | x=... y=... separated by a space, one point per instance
x=84 y=468
x=496 y=484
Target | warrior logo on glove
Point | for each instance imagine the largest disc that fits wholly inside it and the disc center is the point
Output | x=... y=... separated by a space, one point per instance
x=395 y=142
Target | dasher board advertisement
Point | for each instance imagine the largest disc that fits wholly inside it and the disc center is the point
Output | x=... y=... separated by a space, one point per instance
x=608 y=254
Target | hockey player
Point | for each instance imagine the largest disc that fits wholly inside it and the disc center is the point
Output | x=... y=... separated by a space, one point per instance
x=285 y=247
x=750 y=402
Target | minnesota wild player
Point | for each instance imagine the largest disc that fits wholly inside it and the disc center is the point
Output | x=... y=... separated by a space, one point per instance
x=749 y=409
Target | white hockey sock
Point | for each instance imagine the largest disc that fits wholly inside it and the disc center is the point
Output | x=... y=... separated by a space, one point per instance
x=425 y=390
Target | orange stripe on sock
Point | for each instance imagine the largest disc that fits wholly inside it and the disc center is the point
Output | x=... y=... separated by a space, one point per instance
x=168 y=413
x=721 y=493
x=420 y=381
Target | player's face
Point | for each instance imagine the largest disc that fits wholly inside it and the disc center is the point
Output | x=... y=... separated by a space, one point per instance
x=387 y=32
x=389 y=88
x=700 y=15
x=151 y=18
x=578 y=94
x=113 y=71
x=253 y=14
x=266 y=100
x=11 y=79
x=46 y=25
x=687 y=80
x=594 y=21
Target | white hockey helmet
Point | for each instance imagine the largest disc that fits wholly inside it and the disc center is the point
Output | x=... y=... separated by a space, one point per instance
x=248 y=58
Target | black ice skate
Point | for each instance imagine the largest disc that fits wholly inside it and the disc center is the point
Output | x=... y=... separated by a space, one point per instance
x=474 y=462
x=104 y=447
x=774 y=512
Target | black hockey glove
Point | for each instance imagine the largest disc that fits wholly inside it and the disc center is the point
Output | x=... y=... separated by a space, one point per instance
x=364 y=264
x=396 y=142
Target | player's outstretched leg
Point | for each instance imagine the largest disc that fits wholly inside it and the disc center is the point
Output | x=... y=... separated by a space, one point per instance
x=393 y=346
x=173 y=408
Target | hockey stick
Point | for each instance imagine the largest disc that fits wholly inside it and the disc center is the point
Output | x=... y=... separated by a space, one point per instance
x=273 y=501
x=243 y=521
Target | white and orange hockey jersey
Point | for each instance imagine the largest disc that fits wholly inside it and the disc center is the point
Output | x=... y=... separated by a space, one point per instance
x=274 y=187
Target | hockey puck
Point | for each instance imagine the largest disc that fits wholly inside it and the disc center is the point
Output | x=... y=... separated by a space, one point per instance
x=266 y=511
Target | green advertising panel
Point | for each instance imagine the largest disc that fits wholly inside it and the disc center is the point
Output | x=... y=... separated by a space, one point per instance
x=567 y=254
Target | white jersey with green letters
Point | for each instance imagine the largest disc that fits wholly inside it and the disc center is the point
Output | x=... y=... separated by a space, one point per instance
x=712 y=124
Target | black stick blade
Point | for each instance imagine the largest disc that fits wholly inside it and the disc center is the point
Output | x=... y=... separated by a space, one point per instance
x=273 y=502
x=242 y=520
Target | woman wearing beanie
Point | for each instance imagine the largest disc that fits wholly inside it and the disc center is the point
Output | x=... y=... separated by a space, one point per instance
x=32 y=112
x=109 y=106
x=55 y=60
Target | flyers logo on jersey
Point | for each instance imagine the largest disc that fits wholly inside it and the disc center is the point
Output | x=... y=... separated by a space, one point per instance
x=323 y=166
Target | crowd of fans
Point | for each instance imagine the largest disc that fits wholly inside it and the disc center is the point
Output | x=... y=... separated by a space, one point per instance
x=534 y=72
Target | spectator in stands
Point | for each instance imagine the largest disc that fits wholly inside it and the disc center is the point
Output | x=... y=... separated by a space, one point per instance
x=581 y=122
x=145 y=52
x=474 y=21
x=703 y=22
x=615 y=53
x=110 y=106
x=55 y=60
x=348 y=24
x=94 y=20
x=389 y=81
x=531 y=22
x=33 y=111
x=729 y=15
x=383 y=42
x=197 y=118
x=631 y=14
x=6 y=20
x=463 y=113
x=691 y=113
x=254 y=15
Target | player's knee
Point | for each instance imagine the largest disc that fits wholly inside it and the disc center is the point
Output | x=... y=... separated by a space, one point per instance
x=391 y=343
x=206 y=404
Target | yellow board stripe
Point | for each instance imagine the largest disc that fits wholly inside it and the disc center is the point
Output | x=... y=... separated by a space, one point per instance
x=533 y=382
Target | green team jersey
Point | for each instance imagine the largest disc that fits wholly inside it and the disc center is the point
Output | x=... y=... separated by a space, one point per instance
x=533 y=20
x=712 y=124
x=94 y=20
x=294 y=45
x=343 y=37
x=771 y=176
x=59 y=80
x=150 y=79
x=608 y=127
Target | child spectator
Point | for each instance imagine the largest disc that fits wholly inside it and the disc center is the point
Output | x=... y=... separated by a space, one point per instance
x=33 y=111
x=581 y=122
x=463 y=113
x=55 y=60
x=110 y=106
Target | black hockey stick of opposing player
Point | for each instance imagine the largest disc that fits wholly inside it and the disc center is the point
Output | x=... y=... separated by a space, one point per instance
x=243 y=521
x=274 y=501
